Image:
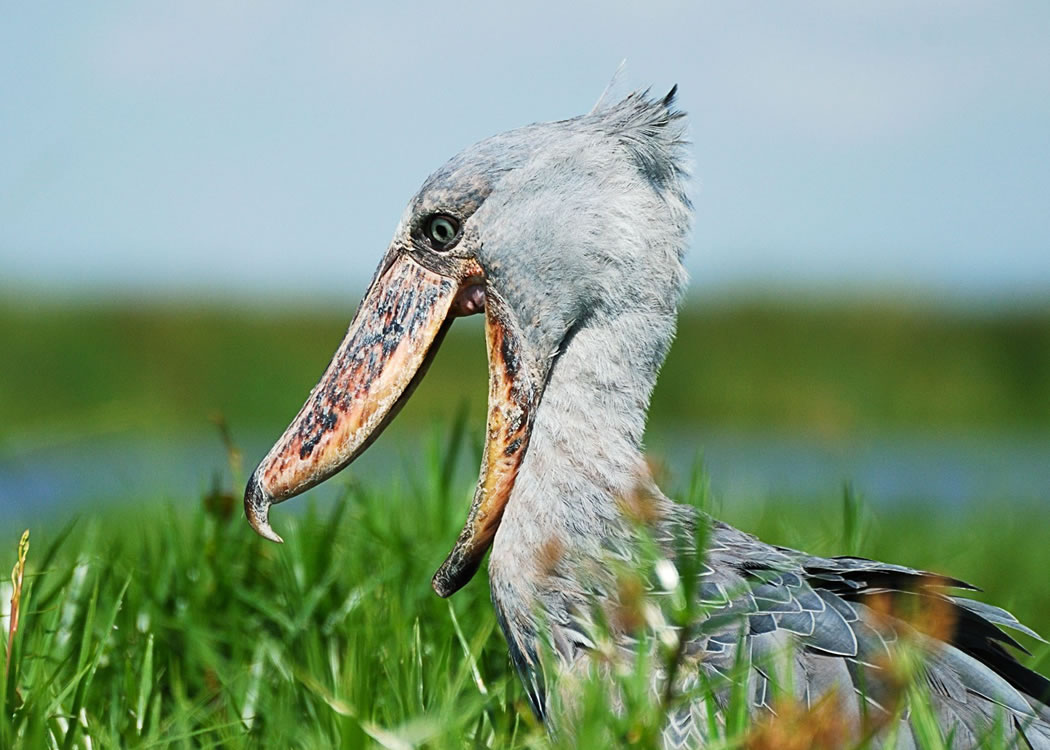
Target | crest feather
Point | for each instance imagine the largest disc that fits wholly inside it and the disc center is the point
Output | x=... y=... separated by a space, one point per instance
x=652 y=130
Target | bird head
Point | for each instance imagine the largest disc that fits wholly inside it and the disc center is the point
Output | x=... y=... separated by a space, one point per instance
x=540 y=229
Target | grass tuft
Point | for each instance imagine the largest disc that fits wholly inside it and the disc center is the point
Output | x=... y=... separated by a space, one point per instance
x=163 y=626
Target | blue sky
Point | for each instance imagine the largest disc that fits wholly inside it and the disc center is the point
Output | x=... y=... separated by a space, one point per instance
x=267 y=149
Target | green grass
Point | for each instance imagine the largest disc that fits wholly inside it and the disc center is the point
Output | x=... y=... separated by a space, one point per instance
x=157 y=626
x=830 y=370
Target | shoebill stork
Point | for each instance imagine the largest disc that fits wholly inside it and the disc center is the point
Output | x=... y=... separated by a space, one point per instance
x=568 y=236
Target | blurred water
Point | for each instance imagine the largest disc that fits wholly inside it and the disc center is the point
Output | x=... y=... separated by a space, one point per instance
x=894 y=468
x=74 y=477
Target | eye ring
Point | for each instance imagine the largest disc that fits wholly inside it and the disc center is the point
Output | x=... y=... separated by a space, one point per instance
x=442 y=231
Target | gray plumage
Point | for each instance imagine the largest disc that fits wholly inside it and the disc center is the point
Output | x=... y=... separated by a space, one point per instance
x=576 y=229
x=581 y=230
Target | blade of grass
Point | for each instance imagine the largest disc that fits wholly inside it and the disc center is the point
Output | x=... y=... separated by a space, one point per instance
x=89 y=667
x=474 y=671
x=145 y=686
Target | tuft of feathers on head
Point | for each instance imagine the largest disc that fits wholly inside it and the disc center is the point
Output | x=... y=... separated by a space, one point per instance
x=651 y=129
x=614 y=84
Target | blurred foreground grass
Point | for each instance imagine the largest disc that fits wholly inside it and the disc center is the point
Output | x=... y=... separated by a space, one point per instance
x=149 y=626
x=827 y=369
x=152 y=627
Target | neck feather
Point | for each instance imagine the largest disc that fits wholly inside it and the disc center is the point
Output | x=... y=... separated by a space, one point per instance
x=585 y=456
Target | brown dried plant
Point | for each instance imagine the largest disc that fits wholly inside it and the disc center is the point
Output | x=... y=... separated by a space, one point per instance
x=794 y=726
x=17 y=578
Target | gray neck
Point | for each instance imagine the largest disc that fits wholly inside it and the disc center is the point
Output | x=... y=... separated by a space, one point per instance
x=584 y=459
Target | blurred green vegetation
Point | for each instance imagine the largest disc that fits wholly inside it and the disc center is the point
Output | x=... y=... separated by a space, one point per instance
x=828 y=369
x=182 y=628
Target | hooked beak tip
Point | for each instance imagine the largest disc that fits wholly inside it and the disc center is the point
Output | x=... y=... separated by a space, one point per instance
x=257 y=504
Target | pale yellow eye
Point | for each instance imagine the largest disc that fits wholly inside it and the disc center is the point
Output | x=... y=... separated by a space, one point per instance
x=442 y=231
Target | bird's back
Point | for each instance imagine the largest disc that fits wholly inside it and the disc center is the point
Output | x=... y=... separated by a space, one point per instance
x=864 y=636
x=857 y=649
